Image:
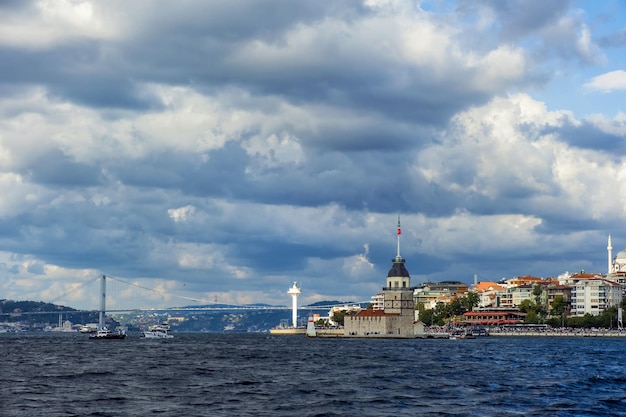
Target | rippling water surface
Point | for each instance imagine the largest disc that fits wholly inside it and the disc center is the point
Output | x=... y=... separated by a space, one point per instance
x=263 y=375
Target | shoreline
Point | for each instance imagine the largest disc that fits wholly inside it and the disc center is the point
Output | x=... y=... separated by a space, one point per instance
x=600 y=333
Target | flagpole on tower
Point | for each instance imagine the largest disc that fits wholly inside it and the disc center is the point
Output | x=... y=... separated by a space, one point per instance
x=399 y=233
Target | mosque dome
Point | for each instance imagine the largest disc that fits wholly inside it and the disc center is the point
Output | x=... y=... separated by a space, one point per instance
x=621 y=256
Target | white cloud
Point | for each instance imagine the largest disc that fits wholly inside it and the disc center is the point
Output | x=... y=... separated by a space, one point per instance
x=512 y=149
x=487 y=142
x=615 y=126
x=275 y=150
x=56 y=21
x=19 y=195
x=181 y=214
x=609 y=82
x=355 y=265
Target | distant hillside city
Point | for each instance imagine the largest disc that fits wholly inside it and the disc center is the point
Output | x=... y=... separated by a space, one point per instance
x=570 y=300
x=580 y=300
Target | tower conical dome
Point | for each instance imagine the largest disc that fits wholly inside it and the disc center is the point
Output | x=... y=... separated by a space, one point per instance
x=398 y=269
x=398 y=276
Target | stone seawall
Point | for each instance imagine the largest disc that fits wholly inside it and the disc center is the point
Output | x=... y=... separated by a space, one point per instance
x=601 y=333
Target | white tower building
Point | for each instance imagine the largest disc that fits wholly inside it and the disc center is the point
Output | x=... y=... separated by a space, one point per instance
x=294 y=292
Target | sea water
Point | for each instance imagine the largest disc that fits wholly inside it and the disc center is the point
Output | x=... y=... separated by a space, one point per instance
x=264 y=375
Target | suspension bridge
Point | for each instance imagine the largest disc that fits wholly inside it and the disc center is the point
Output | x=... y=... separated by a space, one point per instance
x=134 y=293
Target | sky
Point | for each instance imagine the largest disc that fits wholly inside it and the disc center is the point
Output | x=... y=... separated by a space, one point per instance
x=219 y=151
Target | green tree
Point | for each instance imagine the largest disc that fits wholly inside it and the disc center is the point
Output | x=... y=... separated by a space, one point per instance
x=558 y=306
x=427 y=317
x=588 y=321
x=338 y=317
x=532 y=317
x=456 y=307
x=537 y=291
x=525 y=306
x=472 y=299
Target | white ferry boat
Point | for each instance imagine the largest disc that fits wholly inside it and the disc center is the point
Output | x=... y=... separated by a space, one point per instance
x=159 y=331
x=105 y=333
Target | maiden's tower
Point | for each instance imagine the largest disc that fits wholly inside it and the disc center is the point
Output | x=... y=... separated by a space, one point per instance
x=397 y=317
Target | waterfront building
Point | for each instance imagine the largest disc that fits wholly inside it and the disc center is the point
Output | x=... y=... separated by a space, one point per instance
x=488 y=293
x=494 y=317
x=513 y=296
x=430 y=294
x=342 y=309
x=397 y=317
x=429 y=299
x=378 y=301
x=595 y=295
x=554 y=290
x=522 y=280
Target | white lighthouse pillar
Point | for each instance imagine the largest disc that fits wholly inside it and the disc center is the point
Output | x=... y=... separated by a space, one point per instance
x=609 y=249
x=294 y=292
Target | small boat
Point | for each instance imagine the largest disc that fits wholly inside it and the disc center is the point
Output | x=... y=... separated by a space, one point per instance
x=462 y=335
x=158 y=331
x=89 y=328
x=105 y=333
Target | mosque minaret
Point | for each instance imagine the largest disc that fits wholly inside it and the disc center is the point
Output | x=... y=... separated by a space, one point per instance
x=617 y=264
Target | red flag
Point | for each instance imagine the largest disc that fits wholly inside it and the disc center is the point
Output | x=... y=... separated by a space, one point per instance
x=399 y=231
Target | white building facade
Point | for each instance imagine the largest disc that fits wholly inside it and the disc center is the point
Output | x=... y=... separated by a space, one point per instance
x=595 y=295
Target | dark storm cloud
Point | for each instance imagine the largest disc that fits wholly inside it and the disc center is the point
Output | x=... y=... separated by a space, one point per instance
x=557 y=223
x=56 y=169
x=519 y=18
x=259 y=254
x=171 y=44
x=75 y=72
x=195 y=46
x=234 y=21
x=167 y=170
x=550 y=26
x=15 y=6
x=112 y=237
x=589 y=136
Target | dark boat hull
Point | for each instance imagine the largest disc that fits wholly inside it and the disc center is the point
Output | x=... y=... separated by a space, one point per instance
x=108 y=336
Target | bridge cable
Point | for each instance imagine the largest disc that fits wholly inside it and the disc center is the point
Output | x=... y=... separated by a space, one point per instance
x=91 y=281
x=157 y=291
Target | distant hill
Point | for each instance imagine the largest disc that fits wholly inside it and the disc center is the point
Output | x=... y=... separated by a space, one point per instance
x=11 y=306
x=256 y=305
x=329 y=303
x=30 y=312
